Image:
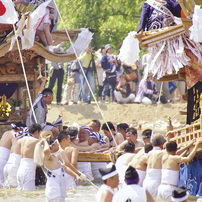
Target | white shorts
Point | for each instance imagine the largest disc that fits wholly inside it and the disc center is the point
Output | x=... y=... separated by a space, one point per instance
x=45 y=20
x=11 y=169
x=26 y=174
x=5 y=153
x=70 y=182
x=165 y=191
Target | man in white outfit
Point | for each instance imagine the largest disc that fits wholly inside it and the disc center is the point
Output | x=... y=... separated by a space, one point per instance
x=170 y=168
x=26 y=171
x=154 y=165
x=132 y=191
x=111 y=181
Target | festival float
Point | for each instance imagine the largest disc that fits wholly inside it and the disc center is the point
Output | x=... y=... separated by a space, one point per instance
x=176 y=53
x=12 y=75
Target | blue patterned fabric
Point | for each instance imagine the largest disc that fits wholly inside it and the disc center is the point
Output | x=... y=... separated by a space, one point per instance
x=190 y=176
x=85 y=128
x=98 y=137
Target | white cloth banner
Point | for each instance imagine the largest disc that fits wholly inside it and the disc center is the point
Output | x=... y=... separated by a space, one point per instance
x=32 y=24
x=8 y=14
x=82 y=42
x=196 y=28
x=129 y=52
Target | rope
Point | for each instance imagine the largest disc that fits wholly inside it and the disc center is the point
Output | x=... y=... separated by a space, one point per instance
x=177 y=113
x=92 y=184
x=21 y=60
x=84 y=73
x=153 y=127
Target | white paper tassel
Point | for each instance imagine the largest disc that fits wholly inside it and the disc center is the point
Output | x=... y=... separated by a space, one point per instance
x=82 y=42
x=129 y=52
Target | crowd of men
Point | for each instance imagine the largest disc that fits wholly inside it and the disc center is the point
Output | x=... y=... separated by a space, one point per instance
x=144 y=167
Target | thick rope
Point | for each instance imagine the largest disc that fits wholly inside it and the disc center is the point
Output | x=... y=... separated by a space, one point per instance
x=23 y=67
x=84 y=74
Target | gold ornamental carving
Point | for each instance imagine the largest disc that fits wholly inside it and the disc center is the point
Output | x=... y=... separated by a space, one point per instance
x=14 y=69
x=27 y=55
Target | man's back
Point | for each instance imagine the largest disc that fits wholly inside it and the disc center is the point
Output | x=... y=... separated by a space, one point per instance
x=6 y=140
x=170 y=162
x=16 y=146
x=27 y=147
x=155 y=159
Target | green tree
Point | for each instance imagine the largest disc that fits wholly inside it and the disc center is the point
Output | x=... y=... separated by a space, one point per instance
x=111 y=20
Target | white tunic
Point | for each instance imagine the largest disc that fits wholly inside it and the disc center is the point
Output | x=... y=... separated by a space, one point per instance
x=3 y=160
x=100 y=191
x=26 y=174
x=132 y=193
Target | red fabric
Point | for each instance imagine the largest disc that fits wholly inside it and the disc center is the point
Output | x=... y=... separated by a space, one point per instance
x=193 y=72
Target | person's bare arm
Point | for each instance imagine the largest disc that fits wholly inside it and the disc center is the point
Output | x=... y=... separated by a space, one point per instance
x=72 y=173
x=121 y=146
x=119 y=138
x=67 y=163
x=43 y=83
x=106 y=196
x=110 y=150
x=184 y=153
x=74 y=158
x=144 y=159
x=191 y=155
x=181 y=150
x=90 y=148
x=98 y=66
x=149 y=197
x=46 y=149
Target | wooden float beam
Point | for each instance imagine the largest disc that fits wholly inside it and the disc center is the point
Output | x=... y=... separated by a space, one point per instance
x=42 y=51
x=94 y=157
x=10 y=78
x=187 y=134
x=151 y=37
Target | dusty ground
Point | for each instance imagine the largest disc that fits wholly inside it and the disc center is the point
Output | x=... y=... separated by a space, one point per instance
x=134 y=114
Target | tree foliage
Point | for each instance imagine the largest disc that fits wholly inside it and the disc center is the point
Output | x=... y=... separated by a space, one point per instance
x=111 y=20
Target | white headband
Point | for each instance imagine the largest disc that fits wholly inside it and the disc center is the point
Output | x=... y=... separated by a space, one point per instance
x=180 y=199
x=104 y=177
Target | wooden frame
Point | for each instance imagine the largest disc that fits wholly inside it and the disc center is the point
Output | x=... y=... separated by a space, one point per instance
x=187 y=134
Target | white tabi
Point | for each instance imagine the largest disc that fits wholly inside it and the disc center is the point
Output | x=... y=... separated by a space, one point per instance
x=26 y=174
x=94 y=168
x=100 y=191
x=55 y=185
x=141 y=174
x=85 y=168
x=3 y=160
x=132 y=193
x=152 y=181
x=11 y=169
x=168 y=183
x=70 y=182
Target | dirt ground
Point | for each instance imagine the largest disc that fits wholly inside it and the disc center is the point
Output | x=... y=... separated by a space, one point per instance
x=133 y=114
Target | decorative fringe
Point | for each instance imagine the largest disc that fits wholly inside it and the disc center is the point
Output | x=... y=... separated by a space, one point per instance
x=168 y=56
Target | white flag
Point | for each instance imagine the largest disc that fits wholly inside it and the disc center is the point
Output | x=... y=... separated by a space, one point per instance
x=8 y=14
x=36 y=18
